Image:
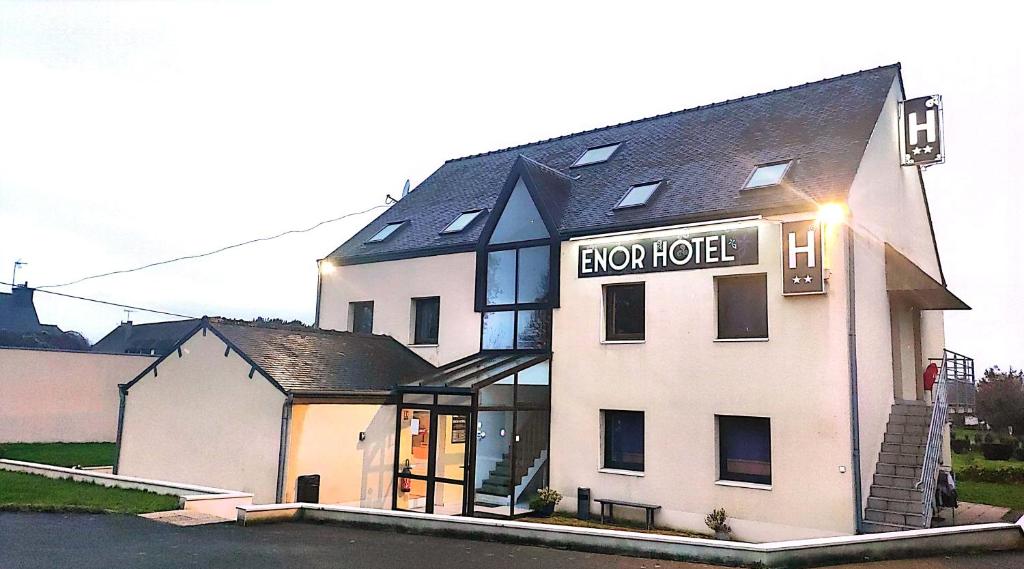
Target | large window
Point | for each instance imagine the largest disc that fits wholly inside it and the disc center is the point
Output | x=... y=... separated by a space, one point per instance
x=518 y=276
x=745 y=449
x=624 y=312
x=516 y=330
x=361 y=316
x=624 y=440
x=426 y=317
x=742 y=307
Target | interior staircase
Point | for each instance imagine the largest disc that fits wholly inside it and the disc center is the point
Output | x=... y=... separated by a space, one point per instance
x=894 y=502
x=497 y=482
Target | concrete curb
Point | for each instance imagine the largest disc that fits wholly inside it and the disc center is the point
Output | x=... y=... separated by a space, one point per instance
x=800 y=553
x=214 y=501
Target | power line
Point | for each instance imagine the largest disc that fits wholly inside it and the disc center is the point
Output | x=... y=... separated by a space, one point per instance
x=215 y=251
x=108 y=302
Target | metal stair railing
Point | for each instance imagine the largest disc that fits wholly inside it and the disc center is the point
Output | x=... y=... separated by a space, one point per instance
x=933 y=449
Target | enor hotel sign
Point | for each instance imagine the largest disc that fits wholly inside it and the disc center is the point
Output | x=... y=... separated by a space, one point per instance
x=680 y=252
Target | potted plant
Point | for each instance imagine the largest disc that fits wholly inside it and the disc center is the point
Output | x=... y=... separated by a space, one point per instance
x=716 y=523
x=543 y=504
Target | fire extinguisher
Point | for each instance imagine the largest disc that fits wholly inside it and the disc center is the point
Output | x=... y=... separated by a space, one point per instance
x=406 y=485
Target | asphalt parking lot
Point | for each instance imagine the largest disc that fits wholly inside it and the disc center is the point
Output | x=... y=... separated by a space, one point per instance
x=83 y=541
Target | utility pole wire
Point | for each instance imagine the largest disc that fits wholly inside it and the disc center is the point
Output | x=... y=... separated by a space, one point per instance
x=214 y=252
x=109 y=303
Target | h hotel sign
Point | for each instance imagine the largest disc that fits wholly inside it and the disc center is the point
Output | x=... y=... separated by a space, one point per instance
x=921 y=141
x=723 y=248
x=802 y=262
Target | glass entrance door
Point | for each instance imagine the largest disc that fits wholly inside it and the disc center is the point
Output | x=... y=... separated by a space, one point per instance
x=430 y=473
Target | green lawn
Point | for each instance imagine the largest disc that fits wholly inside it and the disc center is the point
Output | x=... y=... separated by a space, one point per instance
x=992 y=493
x=61 y=454
x=30 y=492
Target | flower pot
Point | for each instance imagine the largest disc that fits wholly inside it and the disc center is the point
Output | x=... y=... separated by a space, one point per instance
x=544 y=511
x=722 y=535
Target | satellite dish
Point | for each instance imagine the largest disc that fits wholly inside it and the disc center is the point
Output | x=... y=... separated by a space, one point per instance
x=405 y=189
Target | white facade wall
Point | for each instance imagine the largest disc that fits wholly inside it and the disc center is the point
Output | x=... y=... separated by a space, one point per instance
x=392 y=286
x=61 y=396
x=202 y=420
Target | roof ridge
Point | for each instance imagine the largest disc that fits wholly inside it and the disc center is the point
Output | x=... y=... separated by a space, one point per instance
x=292 y=328
x=544 y=166
x=896 y=65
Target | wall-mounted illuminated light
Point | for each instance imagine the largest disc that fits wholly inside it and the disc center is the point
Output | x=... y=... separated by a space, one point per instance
x=327 y=267
x=832 y=213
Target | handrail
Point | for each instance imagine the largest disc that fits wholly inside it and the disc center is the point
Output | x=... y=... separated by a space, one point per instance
x=933 y=448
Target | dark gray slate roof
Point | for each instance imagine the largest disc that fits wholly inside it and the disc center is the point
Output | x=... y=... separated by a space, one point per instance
x=704 y=154
x=18 y=313
x=305 y=360
x=155 y=338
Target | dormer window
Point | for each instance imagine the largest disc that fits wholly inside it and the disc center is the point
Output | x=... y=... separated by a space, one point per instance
x=767 y=175
x=638 y=195
x=462 y=221
x=385 y=232
x=596 y=155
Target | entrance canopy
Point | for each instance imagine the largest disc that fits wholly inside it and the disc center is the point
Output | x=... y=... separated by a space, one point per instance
x=475 y=372
x=906 y=280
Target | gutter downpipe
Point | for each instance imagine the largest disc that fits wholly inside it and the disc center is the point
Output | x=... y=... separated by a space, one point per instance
x=122 y=393
x=851 y=333
x=282 y=457
x=319 y=286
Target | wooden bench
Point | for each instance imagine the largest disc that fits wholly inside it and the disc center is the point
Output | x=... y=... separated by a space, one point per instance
x=610 y=505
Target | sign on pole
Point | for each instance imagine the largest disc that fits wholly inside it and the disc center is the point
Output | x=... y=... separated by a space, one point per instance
x=921 y=137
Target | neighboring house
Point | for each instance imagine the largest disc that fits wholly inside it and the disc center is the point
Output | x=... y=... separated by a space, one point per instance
x=155 y=338
x=727 y=306
x=18 y=313
x=255 y=407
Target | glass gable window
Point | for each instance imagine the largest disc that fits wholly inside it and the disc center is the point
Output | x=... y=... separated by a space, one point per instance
x=624 y=312
x=499 y=330
x=745 y=449
x=742 y=307
x=596 y=155
x=624 y=440
x=361 y=316
x=385 y=232
x=520 y=221
x=462 y=221
x=427 y=315
x=518 y=276
x=767 y=175
x=638 y=195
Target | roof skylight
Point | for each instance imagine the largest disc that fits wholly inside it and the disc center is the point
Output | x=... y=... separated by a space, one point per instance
x=767 y=175
x=596 y=155
x=638 y=195
x=385 y=232
x=462 y=221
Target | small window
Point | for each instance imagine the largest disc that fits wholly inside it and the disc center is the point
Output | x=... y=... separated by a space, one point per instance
x=742 y=307
x=596 y=155
x=744 y=449
x=385 y=232
x=624 y=440
x=361 y=316
x=638 y=195
x=767 y=175
x=427 y=314
x=624 y=312
x=462 y=221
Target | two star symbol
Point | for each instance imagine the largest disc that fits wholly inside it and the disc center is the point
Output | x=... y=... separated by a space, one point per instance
x=926 y=149
x=807 y=279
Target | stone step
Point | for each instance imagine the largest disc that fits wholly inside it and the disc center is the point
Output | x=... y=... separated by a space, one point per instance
x=912 y=449
x=901 y=459
x=896 y=419
x=905 y=429
x=882 y=527
x=898 y=470
x=894 y=505
x=905 y=439
x=895 y=493
x=895 y=481
x=919 y=410
x=899 y=518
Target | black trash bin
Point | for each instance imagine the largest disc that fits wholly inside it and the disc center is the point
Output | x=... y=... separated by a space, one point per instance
x=308 y=490
x=583 y=503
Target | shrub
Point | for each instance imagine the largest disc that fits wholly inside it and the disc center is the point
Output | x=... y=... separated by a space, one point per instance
x=545 y=497
x=960 y=446
x=997 y=451
x=1002 y=474
x=716 y=521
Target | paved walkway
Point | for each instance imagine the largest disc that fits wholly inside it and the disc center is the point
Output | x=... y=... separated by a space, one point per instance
x=84 y=541
x=969 y=513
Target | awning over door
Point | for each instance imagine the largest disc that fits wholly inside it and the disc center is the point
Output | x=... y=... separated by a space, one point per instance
x=905 y=280
x=474 y=372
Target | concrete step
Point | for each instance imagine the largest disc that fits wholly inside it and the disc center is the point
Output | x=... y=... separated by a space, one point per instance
x=895 y=493
x=493 y=490
x=912 y=449
x=901 y=459
x=897 y=419
x=918 y=410
x=899 y=518
x=498 y=480
x=882 y=527
x=895 y=481
x=905 y=429
x=905 y=439
x=898 y=470
x=894 y=505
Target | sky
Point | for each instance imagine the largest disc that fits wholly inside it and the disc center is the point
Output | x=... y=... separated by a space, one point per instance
x=132 y=132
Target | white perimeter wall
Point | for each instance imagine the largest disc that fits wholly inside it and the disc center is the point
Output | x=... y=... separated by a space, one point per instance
x=58 y=396
x=202 y=420
x=392 y=285
x=680 y=377
x=324 y=439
